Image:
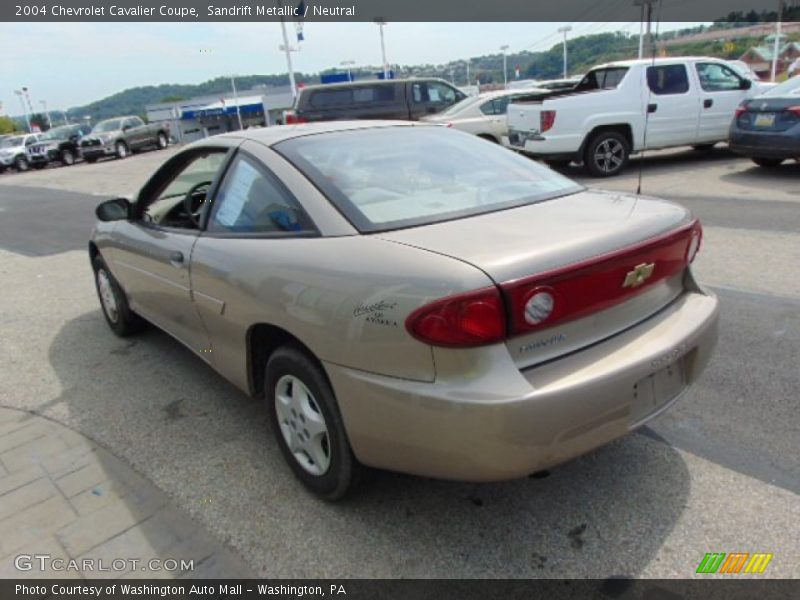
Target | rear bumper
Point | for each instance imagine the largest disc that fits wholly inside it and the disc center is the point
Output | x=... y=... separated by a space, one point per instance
x=503 y=423
x=548 y=146
x=765 y=145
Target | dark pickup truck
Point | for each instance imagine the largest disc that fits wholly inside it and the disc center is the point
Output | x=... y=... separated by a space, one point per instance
x=59 y=144
x=403 y=99
x=121 y=136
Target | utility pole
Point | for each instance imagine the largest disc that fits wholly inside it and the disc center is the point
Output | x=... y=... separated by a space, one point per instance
x=777 y=44
x=348 y=64
x=504 y=48
x=24 y=109
x=381 y=23
x=236 y=99
x=565 y=30
x=288 y=49
x=46 y=114
x=646 y=17
x=468 y=83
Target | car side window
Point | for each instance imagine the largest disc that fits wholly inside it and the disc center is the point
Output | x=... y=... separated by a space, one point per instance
x=441 y=94
x=501 y=105
x=715 y=77
x=180 y=194
x=665 y=80
x=487 y=108
x=251 y=200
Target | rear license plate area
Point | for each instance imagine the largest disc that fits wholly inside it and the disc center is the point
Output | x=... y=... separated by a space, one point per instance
x=655 y=391
x=764 y=120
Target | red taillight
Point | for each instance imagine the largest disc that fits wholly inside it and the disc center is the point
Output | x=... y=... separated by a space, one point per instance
x=585 y=288
x=293 y=119
x=546 y=120
x=795 y=110
x=740 y=110
x=471 y=319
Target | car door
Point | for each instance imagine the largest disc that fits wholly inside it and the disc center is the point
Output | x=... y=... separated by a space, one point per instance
x=152 y=250
x=670 y=106
x=721 y=90
x=135 y=132
x=239 y=265
x=431 y=97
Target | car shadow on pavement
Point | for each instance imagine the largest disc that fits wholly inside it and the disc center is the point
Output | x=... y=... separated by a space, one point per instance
x=158 y=407
x=758 y=177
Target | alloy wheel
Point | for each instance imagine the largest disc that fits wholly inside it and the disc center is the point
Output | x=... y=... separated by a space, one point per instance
x=302 y=425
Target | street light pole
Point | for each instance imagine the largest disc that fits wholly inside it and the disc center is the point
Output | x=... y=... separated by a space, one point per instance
x=348 y=63
x=381 y=23
x=565 y=30
x=776 y=45
x=236 y=99
x=288 y=49
x=505 y=69
x=24 y=109
x=46 y=114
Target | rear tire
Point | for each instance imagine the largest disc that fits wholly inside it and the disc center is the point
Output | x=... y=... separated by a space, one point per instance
x=606 y=154
x=768 y=163
x=113 y=302
x=307 y=424
x=162 y=141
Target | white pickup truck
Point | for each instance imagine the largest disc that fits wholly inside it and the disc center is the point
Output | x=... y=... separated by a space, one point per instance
x=628 y=106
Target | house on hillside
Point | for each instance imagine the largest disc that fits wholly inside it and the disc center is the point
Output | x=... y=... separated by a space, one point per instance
x=759 y=58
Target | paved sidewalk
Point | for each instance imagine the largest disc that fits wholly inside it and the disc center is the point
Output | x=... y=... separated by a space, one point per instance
x=63 y=496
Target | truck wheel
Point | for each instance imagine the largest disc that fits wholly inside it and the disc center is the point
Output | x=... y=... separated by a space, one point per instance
x=606 y=154
x=21 y=164
x=67 y=158
x=162 y=142
x=122 y=149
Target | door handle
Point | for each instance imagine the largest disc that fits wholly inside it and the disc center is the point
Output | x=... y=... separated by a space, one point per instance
x=176 y=258
x=651 y=108
x=708 y=103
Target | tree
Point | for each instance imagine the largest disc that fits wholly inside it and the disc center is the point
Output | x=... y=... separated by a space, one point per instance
x=173 y=98
x=7 y=125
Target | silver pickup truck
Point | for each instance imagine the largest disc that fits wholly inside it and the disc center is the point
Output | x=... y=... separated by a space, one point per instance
x=121 y=136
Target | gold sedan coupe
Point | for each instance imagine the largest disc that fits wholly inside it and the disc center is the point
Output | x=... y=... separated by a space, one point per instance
x=410 y=297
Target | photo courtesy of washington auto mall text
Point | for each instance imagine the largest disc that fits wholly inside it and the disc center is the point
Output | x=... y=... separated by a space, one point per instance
x=373 y=299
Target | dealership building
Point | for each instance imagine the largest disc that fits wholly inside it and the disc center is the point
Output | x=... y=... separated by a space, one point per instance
x=203 y=116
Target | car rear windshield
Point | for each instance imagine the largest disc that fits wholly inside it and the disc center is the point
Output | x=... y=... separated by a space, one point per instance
x=393 y=177
x=602 y=79
x=790 y=87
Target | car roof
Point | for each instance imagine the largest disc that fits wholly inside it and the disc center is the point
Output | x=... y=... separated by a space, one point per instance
x=660 y=60
x=366 y=82
x=279 y=133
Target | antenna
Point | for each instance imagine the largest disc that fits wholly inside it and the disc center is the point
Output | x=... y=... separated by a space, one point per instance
x=647 y=8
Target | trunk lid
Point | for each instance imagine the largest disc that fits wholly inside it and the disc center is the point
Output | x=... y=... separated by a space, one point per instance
x=586 y=245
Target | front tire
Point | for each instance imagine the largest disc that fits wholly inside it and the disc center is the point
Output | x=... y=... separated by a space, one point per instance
x=307 y=424
x=67 y=158
x=120 y=318
x=121 y=150
x=162 y=141
x=21 y=164
x=606 y=154
x=767 y=163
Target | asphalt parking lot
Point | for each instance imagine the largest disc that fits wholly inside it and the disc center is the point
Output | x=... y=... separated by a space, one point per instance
x=720 y=472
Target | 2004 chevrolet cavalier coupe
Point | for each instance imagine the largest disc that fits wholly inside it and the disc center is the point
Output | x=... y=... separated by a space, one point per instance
x=411 y=297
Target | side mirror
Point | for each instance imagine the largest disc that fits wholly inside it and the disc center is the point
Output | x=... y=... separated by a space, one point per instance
x=118 y=209
x=746 y=84
x=126 y=127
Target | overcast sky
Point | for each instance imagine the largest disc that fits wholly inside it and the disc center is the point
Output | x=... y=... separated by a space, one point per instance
x=70 y=64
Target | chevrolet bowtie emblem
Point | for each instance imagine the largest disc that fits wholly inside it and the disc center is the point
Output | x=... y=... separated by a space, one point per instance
x=638 y=275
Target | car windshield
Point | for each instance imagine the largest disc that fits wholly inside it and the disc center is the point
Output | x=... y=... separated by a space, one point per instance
x=11 y=142
x=59 y=133
x=394 y=177
x=790 y=87
x=110 y=125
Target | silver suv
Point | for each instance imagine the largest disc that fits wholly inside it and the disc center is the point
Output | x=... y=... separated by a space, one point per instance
x=12 y=150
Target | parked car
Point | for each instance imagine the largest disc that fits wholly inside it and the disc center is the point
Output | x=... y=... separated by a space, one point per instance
x=59 y=144
x=122 y=135
x=628 y=106
x=405 y=99
x=409 y=297
x=12 y=151
x=483 y=115
x=767 y=128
